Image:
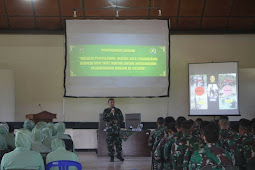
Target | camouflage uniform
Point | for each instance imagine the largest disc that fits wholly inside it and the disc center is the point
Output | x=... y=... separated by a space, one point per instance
x=156 y=136
x=113 y=130
x=196 y=132
x=167 y=150
x=154 y=139
x=184 y=147
x=159 y=152
x=241 y=148
x=211 y=154
x=225 y=137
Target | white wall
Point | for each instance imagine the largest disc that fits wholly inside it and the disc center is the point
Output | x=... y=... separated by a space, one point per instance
x=7 y=96
x=38 y=65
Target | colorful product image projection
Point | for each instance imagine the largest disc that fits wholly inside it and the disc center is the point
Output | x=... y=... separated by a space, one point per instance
x=227 y=91
x=198 y=92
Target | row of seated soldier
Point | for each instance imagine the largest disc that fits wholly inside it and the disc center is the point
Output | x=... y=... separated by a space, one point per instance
x=35 y=146
x=185 y=144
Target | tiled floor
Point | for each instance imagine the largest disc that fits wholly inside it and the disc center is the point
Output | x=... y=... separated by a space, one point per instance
x=90 y=161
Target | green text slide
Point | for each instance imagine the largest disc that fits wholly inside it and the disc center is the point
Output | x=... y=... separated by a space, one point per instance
x=117 y=60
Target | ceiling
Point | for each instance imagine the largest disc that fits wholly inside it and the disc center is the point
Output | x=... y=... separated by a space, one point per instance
x=199 y=16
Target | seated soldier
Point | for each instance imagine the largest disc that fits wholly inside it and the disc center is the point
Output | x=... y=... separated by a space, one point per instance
x=28 y=125
x=243 y=145
x=166 y=154
x=37 y=139
x=47 y=135
x=173 y=139
x=61 y=128
x=225 y=133
x=60 y=153
x=157 y=134
x=187 y=143
x=40 y=125
x=53 y=129
x=3 y=132
x=212 y=153
x=22 y=157
x=159 y=152
x=10 y=138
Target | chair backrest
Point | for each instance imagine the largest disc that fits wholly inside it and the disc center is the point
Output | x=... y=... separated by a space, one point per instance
x=63 y=165
x=69 y=144
x=225 y=167
x=132 y=119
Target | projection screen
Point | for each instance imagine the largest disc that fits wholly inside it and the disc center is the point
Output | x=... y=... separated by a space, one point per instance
x=117 y=58
x=213 y=89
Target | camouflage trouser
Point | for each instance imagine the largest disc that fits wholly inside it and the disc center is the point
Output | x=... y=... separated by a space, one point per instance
x=111 y=140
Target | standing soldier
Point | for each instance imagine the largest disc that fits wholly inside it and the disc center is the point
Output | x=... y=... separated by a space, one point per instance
x=114 y=118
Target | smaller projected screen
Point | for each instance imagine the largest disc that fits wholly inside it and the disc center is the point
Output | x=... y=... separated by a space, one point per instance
x=117 y=60
x=213 y=89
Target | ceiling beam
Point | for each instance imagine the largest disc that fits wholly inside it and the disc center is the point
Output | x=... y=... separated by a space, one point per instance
x=33 y=7
x=202 y=14
x=6 y=14
x=229 y=15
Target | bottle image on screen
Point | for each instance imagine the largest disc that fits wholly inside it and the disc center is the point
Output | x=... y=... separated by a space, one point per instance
x=198 y=92
x=227 y=91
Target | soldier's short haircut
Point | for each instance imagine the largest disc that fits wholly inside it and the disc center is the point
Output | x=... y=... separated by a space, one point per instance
x=223 y=120
x=245 y=125
x=169 y=119
x=235 y=128
x=161 y=121
x=186 y=126
x=199 y=120
x=171 y=126
x=110 y=99
x=192 y=122
x=211 y=133
x=179 y=121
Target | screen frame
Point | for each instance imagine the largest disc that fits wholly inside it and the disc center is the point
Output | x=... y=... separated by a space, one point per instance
x=169 y=68
x=237 y=62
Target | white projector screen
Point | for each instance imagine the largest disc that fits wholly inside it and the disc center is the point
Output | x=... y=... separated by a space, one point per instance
x=117 y=58
x=213 y=89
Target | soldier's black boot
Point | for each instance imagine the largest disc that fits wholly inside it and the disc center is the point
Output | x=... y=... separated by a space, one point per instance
x=120 y=157
x=112 y=159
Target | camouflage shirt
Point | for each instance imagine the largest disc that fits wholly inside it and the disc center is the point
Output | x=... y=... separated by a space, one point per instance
x=109 y=118
x=159 y=152
x=225 y=137
x=167 y=150
x=156 y=136
x=211 y=154
x=179 y=149
x=241 y=148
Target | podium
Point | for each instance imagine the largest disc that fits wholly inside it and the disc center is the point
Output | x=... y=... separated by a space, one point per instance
x=42 y=116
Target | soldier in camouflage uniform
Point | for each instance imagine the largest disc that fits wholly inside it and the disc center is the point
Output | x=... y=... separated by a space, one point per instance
x=155 y=137
x=184 y=147
x=159 y=151
x=169 y=143
x=225 y=134
x=241 y=147
x=113 y=118
x=196 y=130
x=157 y=134
x=212 y=154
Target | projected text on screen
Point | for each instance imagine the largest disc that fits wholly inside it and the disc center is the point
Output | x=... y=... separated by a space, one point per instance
x=117 y=60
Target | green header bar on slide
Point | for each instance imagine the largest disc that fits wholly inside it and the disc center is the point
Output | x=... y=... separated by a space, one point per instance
x=117 y=60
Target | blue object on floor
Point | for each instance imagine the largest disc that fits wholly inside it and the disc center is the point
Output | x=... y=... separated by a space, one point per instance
x=63 y=165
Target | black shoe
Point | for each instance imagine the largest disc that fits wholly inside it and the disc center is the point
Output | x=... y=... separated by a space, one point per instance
x=120 y=157
x=112 y=159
